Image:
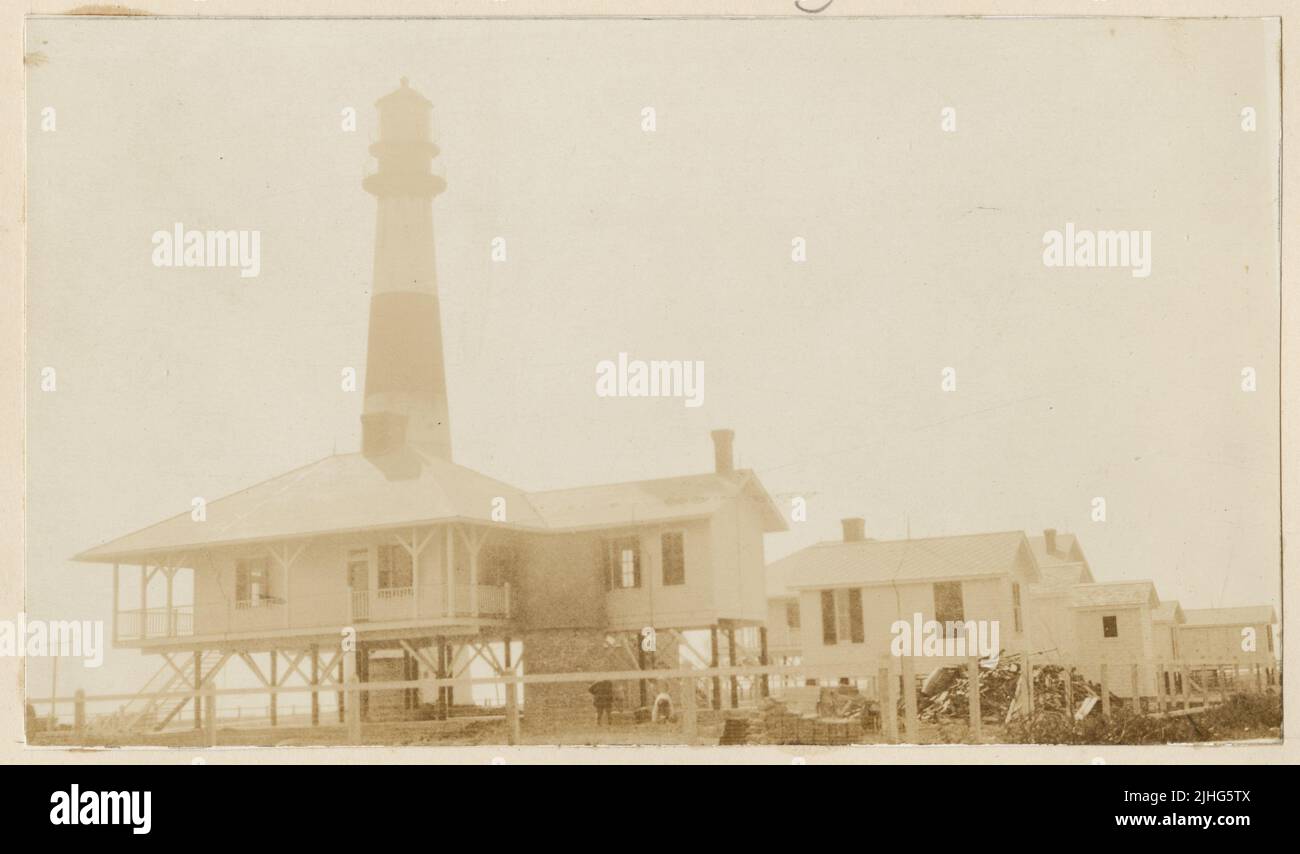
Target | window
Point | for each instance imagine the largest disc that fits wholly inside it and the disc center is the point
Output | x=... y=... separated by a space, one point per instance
x=395 y=568
x=252 y=583
x=623 y=563
x=792 y=614
x=842 y=616
x=948 y=609
x=855 y=614
x=674 y=552
x=1109 y=627
x=359 y=570
x=829 y=637
x=1015 y=605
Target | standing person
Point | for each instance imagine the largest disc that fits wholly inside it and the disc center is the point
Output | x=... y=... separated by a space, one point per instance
x=602 y=695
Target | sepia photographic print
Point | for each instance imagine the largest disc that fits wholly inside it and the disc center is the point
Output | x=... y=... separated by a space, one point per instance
x=704 y=387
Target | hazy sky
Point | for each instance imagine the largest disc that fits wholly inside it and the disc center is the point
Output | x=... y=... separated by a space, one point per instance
x=924 y=251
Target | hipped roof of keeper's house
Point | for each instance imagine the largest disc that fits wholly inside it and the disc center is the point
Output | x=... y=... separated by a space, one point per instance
x=347 y=493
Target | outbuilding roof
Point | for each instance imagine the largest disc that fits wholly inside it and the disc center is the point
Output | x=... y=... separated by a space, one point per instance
x=870 y=562
x=1248 y=616
x=1114 y=594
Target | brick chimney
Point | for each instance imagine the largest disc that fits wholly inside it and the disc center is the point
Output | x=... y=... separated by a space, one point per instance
x=1049 y=539
x=854 y=529
x=722 y=459
x=406 y=385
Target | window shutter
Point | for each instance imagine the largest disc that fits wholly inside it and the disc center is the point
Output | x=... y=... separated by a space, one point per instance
x=855 y=615
x=828 y=618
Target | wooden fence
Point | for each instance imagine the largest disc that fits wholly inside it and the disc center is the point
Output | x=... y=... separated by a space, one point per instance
x=893 y=687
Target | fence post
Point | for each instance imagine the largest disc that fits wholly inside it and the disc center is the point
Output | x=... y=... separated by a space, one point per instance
x=79 y=714
x=909 y=700
x=1029 y=684
x=973 y=700
x=511 y=695
x=1136 y=678
x=1259 y=684
x=1187 y=685
x=353 y=709
x=889 y=707
x=351 y=696
x=690 y=716
x=210 y=718
x=1105 y=690
x=1068 y=673
x=1161 y=677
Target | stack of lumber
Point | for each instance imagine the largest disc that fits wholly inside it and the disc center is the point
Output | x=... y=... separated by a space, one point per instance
x=838 y=721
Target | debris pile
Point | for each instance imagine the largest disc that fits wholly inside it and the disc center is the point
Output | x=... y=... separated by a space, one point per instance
x=946 y=692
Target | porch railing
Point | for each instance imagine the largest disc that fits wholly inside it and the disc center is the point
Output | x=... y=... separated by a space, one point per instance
x=392 y=604
x=144 y=623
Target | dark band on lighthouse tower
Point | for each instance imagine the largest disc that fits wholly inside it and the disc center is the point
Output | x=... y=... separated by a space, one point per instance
x=406 y=383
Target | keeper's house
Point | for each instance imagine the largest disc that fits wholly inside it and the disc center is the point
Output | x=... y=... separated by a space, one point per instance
x=851 y=592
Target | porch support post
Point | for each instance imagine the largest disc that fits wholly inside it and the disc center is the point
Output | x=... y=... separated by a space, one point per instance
x=449 y=563
x=170 y=618
x=144 y=598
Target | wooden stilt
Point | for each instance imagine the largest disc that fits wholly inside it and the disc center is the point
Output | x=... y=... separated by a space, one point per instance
x=275 y=680
x=198 y=683
x=973 y=700
x=315 y=685
x=764 y=685
x=731 y=657
x=716 y=699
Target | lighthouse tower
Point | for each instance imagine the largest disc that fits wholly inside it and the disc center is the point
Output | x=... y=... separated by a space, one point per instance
x=406 y=384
